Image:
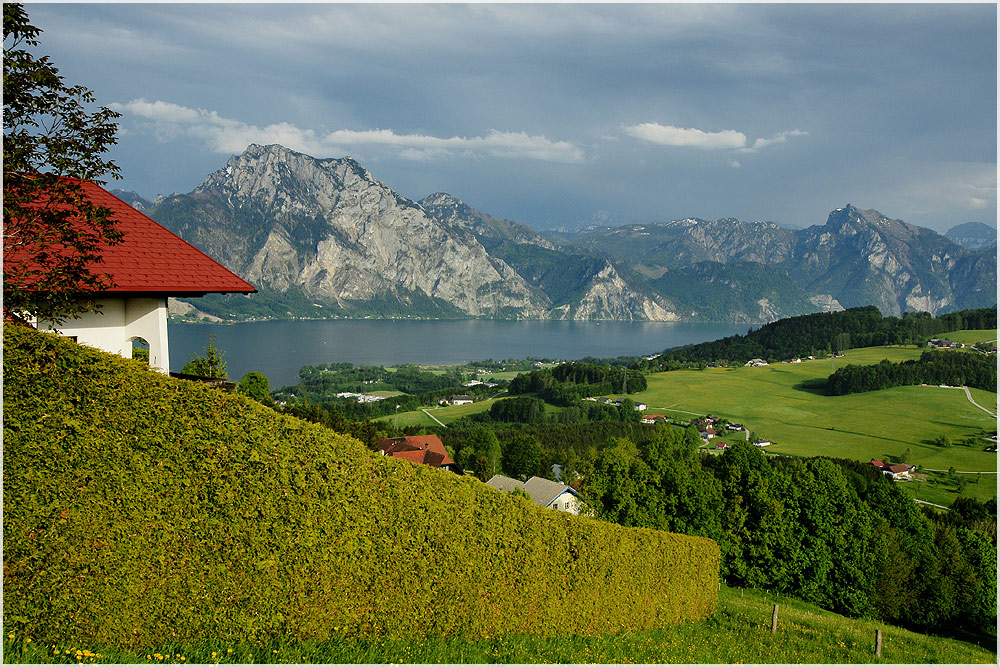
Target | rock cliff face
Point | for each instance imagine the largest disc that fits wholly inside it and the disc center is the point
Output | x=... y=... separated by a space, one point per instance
x=861 y=257
x=290 y=223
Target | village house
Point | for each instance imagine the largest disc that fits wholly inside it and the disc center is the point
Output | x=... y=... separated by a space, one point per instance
x=542 y=492
x=462 y=399
x=755 y=363
x=424 y=449
x=148 y=266
x=652 y=419
x=898 y=472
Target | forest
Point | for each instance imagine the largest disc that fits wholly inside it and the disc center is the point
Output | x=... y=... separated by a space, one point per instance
x=567 y=384
x=836 y=533
x=933 y=367
x=820 y=334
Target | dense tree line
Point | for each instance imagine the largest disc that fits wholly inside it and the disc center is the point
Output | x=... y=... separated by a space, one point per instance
x=321 y=384
x=834 y=533
x=566 y=384
x=821 y=333
x=523 y=410
x=573 y=446
x=324 y=381
x=933 y=367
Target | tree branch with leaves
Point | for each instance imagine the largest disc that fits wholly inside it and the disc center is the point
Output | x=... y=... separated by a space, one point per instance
x=53 y=235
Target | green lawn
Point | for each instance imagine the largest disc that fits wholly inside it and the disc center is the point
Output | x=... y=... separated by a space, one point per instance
x=784 y=403
x=738 y=632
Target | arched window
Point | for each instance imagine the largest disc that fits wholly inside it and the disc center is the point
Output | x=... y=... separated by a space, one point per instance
x=140 y=349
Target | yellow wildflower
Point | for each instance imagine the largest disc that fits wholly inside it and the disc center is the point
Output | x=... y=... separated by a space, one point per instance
x=28 y=640
x=230 y=650
x=10 y=636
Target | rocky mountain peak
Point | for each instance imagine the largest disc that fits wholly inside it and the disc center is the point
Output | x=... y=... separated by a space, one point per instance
x=441 y=199
x=857 y=217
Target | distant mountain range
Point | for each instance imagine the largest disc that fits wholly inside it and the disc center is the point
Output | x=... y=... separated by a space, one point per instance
x=324 y=237
x=973 y=235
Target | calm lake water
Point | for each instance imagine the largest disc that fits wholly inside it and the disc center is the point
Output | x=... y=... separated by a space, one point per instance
x=278 y=349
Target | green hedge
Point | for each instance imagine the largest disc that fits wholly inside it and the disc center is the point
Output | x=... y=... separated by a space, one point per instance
x=140 y=509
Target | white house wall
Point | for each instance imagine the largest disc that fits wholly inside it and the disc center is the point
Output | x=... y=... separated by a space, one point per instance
x=121 y=321
x=566 y=502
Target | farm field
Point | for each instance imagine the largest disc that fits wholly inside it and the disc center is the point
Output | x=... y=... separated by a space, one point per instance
x=783 y=403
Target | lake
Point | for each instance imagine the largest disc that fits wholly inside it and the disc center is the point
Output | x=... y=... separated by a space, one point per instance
x=278 y=349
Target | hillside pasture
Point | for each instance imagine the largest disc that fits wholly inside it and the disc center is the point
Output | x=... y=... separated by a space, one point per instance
x=445 y=414
x=786 y=403
x=970 y=336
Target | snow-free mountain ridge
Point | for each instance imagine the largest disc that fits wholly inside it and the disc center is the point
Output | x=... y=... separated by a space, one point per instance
x=323 y=236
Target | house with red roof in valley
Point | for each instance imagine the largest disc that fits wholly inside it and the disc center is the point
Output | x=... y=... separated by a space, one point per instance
x=149 y=265
x=425 y=449
x=899 y=471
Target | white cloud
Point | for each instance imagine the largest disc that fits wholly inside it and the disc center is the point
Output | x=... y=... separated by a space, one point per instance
x=779 y=138
x=224 y=135
x=669 y=135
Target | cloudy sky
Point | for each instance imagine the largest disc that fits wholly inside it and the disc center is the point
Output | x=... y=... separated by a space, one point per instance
x=563 y=115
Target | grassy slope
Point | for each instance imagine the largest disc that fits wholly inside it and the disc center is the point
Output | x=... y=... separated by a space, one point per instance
x=739 y=632
x=782 y=403
x=970 y=336
x=139 y=509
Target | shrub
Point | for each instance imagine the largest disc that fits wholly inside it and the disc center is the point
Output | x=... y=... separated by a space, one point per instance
x=140 y=509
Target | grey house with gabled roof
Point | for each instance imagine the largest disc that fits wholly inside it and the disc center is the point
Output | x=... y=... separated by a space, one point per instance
x=542 y=492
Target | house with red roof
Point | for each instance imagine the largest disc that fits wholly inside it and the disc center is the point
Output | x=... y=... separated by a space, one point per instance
x=149 y=265
x=425 y=449
x=899 y=471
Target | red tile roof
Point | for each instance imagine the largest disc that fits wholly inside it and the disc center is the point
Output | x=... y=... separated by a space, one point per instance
x=153 y=260
x=426 y=449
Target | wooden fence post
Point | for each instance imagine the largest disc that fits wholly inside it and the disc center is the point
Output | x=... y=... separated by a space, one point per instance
x=878 y=643
x=774 y=620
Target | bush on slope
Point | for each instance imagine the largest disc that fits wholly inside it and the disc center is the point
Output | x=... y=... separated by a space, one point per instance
x=139 y=509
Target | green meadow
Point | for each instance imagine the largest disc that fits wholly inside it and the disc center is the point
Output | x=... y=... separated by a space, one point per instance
x=785 y=403
x=971 y=336
x=445 y=414
x=738 y=632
